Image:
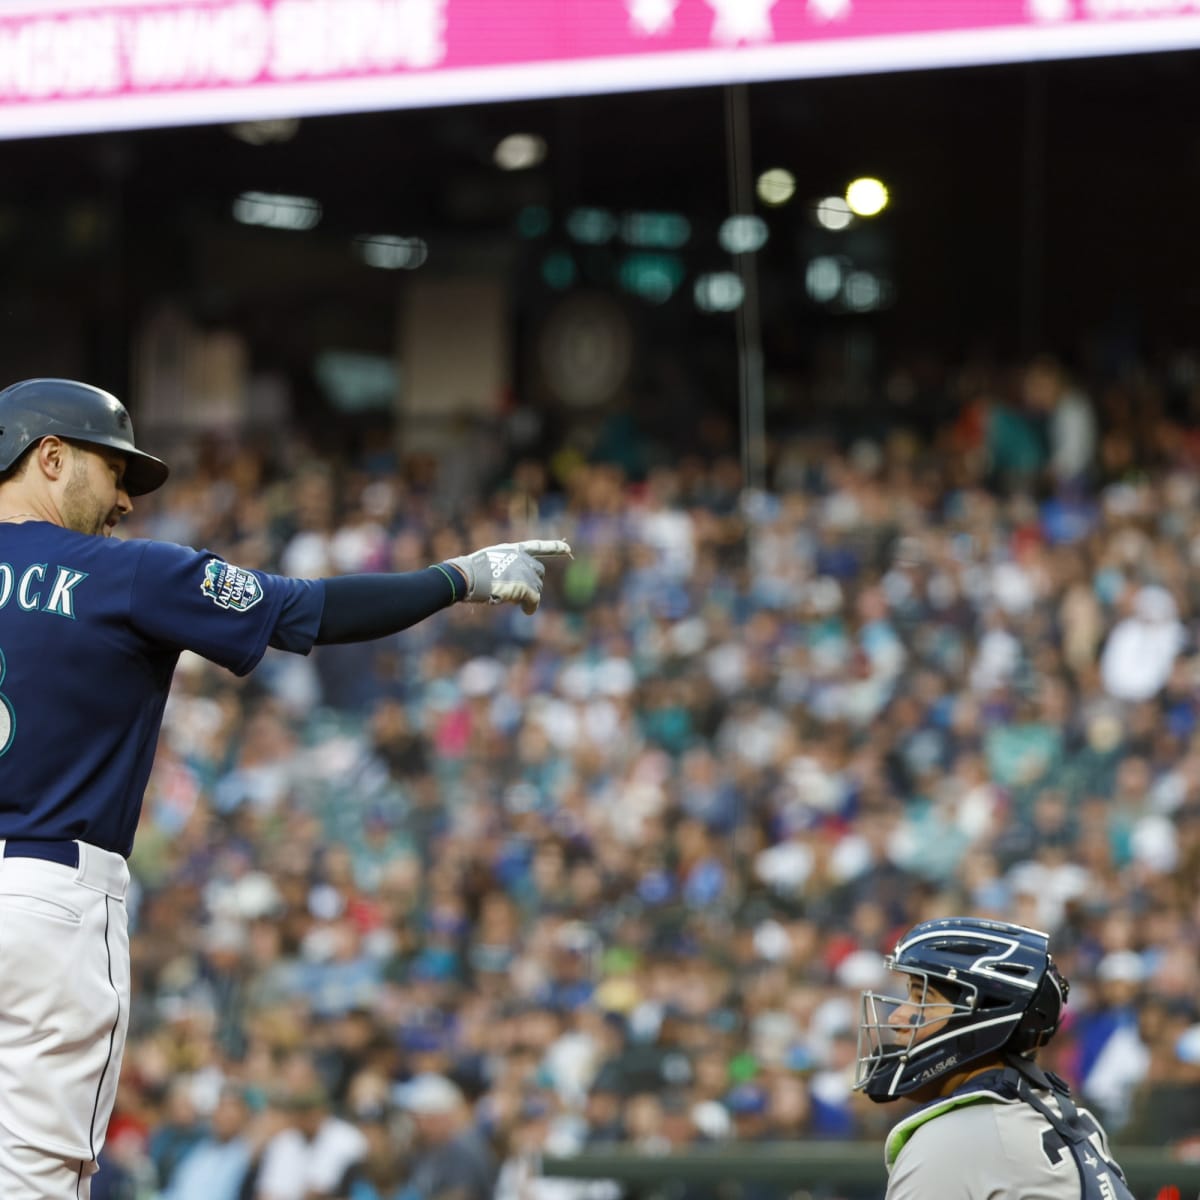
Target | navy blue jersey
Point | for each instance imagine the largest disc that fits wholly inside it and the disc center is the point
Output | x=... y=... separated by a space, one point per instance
x=90 y=631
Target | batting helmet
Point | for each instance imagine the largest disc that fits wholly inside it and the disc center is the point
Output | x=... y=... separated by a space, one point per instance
x=998 y=992
x=35 y=408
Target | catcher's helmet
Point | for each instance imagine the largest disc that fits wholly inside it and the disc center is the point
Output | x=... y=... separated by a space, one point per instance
x=35 y=408
x=998 y=991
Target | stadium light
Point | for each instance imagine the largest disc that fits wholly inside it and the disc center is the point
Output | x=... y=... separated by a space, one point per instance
x=833 y=213
x=519 y=152
x=823 y=279
x=275 y=211
x=391 y=253
x=742 y=234
x=867 y=197
x=654 y=277
x=720 y=291
x=862 y=291
x=662 y=230
x=592 y=226
x=776 y=186
x=267 y=132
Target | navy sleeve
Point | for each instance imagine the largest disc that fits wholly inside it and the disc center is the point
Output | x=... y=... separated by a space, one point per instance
x=359 y=608
x=299 y=617
x=194 y=600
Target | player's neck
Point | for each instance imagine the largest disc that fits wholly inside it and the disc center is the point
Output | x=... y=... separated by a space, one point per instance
x=953 y=1083
x=18 y=505
x=941 y=1088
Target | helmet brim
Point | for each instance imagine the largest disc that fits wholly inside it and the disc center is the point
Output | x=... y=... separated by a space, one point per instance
x=143 y=472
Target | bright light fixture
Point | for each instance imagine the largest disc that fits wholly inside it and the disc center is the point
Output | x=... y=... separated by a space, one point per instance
x=720 y=291
x=654 y=277
x=776 y=186
x=663 y=230
x=275 y=211
x=742 y=234
x=519 y=152
x=823 y=279
x=862 y=291
x=391 y=253
x=592 y=226
x=266 y=132
x=866 y=197
x=833 y=213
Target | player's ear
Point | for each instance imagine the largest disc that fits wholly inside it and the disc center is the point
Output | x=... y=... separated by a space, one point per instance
x=52 y=454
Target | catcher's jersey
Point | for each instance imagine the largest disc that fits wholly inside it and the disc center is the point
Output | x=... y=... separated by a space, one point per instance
x=984 y=1146
x=90 y=631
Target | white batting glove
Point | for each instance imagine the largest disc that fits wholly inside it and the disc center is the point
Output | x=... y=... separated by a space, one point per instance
x=510 y=573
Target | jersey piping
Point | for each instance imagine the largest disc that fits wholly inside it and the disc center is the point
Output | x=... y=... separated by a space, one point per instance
x=905 y=1129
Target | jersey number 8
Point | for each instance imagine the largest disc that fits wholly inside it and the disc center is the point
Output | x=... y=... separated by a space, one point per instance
x=8 y=718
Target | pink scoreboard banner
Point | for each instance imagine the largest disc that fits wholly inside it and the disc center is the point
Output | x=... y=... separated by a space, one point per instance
x=78 y=65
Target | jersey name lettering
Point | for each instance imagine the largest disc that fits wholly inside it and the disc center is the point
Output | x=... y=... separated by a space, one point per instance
x=28 y=588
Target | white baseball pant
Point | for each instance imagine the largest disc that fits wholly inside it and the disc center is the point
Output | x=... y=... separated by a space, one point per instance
x=64 y=1012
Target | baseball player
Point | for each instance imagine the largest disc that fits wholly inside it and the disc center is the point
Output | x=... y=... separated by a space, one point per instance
x=980 y=998
x=90 y=632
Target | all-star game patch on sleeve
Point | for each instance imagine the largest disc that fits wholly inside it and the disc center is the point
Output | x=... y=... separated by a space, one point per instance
x=196 y=600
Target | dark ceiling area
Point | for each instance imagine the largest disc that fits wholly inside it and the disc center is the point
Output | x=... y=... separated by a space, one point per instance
x=1106 y=120
x=1029 y=202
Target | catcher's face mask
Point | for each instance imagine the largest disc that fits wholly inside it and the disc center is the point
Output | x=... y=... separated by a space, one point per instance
x=894 y=1031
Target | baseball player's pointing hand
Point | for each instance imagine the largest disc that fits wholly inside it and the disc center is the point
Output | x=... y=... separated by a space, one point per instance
x=510 y=573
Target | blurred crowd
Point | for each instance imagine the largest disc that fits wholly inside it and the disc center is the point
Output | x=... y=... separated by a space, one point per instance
x=410 y=915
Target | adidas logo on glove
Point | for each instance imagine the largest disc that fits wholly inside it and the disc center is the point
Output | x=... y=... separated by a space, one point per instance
x=514 y=572
x=500 y=562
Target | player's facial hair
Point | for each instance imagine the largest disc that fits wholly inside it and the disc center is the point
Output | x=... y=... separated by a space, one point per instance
x=79 y=505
